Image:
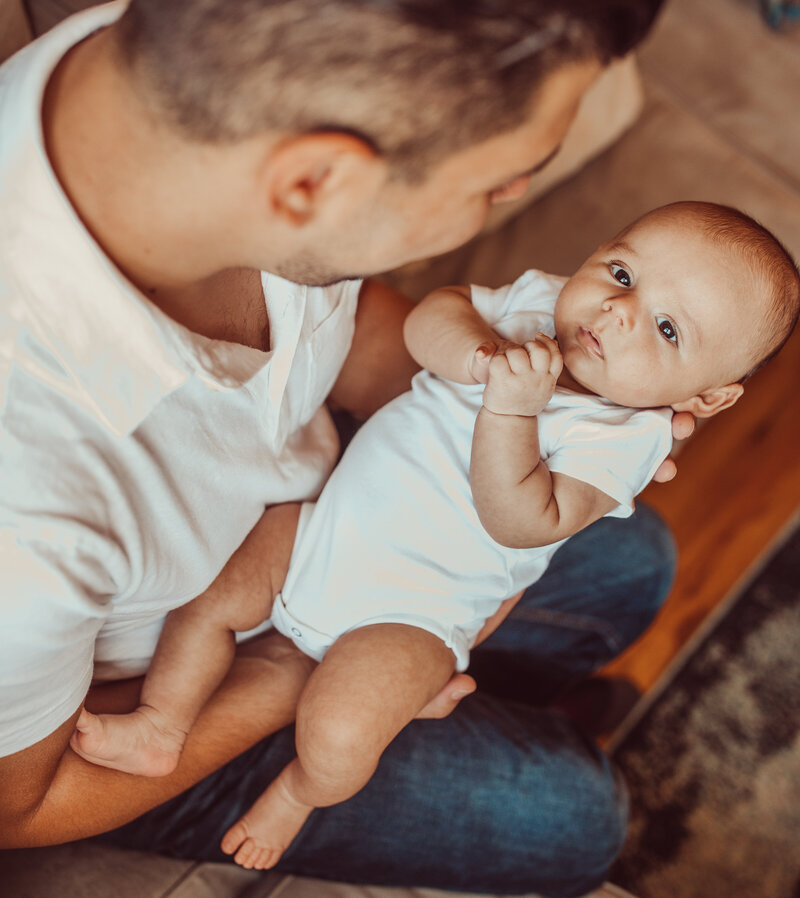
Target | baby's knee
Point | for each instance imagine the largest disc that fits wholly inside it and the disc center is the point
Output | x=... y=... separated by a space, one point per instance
x=334 y=745
x=325 y=729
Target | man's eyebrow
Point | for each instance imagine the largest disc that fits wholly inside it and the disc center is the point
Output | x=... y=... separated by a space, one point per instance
x=536 y=168
x=540 y=165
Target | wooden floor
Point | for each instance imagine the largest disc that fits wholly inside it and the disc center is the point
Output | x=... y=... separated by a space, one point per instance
x=737 y=490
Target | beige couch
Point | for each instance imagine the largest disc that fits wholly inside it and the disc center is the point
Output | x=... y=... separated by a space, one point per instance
x=86 y=870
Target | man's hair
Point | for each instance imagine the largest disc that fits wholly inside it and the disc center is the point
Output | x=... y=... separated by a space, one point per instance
x=772 y=266
x=416 y=79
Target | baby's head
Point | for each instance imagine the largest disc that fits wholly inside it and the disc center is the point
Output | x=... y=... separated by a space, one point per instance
x=678 y=309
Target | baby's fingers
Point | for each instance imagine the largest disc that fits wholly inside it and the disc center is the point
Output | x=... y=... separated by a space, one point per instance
x=518 y=358
x=480 y=361
x=545 y=355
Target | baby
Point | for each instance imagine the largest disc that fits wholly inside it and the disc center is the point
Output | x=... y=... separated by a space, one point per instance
x=544 y=406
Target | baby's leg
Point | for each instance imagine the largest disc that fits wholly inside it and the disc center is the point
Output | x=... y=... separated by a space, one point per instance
x=194 y=653
x=370 y=684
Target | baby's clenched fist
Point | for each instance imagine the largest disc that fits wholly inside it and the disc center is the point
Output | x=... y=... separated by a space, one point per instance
x=522 y=379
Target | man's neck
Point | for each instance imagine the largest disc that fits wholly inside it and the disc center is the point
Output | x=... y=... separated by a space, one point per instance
x=117 y=165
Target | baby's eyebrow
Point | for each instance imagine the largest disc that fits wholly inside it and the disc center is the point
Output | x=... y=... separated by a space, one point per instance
x=622 y=246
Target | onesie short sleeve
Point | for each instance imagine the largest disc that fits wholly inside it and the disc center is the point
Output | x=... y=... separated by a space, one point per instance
x=519 y=310
x=613 y=448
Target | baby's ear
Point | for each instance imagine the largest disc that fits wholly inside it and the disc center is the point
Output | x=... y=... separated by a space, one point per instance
x=704 y=405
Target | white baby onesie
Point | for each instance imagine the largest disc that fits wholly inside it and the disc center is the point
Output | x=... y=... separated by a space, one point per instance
x=395 y=538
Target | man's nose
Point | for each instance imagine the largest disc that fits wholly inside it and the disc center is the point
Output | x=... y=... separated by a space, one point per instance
x=623 y=309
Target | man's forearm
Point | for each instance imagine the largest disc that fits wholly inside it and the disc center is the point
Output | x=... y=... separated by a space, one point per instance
x=258 y=697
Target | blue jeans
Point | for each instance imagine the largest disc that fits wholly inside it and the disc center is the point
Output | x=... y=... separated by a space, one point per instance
x=504 y=795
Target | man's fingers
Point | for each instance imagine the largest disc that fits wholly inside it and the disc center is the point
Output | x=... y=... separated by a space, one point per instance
x=683 y=424
x=459 y=686
x=665 y=471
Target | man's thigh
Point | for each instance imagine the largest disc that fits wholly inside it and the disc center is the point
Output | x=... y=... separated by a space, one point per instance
x=498 y=797
x=601 y=591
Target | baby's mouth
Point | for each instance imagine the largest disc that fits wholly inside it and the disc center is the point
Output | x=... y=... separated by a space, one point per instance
x=590 y=341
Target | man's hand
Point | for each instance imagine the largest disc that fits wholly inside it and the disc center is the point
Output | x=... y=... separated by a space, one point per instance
x=522 y=379
x=461 y=685
x=683 y=424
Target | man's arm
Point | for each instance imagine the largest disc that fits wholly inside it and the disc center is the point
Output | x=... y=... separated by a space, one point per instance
x=378 y=366
x=50 y=795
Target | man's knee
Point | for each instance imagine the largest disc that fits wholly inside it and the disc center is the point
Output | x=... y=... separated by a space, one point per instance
x=587 y=814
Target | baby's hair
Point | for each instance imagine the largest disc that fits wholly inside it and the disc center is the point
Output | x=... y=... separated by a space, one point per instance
x=765 y=255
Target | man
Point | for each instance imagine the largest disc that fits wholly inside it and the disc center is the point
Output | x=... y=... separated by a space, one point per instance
x=171 y=175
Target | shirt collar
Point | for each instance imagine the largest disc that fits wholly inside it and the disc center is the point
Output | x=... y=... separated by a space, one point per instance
x=118 y=354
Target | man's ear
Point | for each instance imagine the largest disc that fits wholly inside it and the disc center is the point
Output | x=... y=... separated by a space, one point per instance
x=704 y=405
x=302 y=173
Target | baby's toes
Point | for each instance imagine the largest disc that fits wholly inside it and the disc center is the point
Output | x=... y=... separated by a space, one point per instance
x=267 y=858
x=233 y=838
x=247 y=855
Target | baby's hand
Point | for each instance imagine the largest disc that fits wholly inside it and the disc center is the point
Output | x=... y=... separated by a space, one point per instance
x=522 y=379
x=483 y=355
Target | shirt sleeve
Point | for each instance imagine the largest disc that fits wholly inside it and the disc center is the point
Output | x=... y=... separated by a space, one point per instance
x=519 y=310
x=616 y=451
x=51 y=614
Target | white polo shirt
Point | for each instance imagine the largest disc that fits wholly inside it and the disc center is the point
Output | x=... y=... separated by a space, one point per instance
x=135 y=455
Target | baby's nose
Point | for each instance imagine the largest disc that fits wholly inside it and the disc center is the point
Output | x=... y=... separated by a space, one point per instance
x=622 y=308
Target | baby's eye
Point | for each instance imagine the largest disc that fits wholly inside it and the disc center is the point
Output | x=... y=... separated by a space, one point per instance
x=667 y=329
x=620 y=274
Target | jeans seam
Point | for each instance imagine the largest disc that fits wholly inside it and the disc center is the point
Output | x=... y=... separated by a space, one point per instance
x=610 y=636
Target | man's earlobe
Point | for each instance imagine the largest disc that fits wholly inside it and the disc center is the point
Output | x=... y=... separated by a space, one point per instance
x=704 y=405
x=303 y=173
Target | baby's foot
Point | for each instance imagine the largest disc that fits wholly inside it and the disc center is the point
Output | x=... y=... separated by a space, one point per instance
x=267 y=829
x=139 y=742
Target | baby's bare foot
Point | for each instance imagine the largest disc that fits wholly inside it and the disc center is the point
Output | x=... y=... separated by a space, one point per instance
x=139 y=742
x=267 y=829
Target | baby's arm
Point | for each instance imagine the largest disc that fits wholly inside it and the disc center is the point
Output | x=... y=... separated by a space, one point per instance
x=194 y=653
x=519 y=502
x=444 y=331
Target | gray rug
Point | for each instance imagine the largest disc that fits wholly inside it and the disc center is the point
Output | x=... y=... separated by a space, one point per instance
x=714 y=765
